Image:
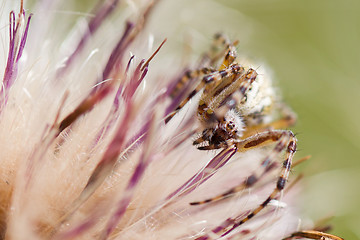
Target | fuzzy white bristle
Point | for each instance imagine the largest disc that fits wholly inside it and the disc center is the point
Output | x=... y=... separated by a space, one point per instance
x=234 y=117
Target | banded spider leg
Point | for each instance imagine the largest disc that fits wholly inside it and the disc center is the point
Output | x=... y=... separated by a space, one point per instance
x=221 y=48
x=312 y=234
x=209 y=82
x=285 y=141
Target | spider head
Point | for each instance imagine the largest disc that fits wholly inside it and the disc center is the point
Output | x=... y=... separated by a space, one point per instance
x=230 y=128
x=232 y=125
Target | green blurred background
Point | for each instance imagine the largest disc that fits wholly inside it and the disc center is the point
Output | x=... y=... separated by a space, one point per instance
x=313 y=49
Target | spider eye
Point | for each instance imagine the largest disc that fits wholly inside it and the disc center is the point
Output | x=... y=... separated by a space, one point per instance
x=230 y=125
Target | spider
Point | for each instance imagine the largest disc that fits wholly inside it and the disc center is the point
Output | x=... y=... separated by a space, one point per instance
x=239 y=109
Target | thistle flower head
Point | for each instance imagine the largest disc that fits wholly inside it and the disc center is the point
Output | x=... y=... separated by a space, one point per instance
x=86 y=153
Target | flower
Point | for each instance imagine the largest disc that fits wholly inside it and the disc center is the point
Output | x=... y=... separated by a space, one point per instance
x=86 y=153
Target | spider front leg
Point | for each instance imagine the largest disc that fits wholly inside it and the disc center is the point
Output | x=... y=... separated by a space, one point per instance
x=187 y=77
x=287 y=119
x=221 y=48
x=211 y=79
x=283 y=137
x=312 y=234
x=288 y=141
x=285 y=140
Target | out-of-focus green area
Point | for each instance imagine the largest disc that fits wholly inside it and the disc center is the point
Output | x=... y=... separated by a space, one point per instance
x=313 y=49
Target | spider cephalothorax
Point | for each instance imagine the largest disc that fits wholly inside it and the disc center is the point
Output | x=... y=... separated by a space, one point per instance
x=223 y=133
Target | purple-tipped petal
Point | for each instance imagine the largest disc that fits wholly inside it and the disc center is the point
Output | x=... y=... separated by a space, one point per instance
x=200 y=177
x=134 y=82
x=127 y=196
x=86 y=105
x=117 y=53
x=16 y=47
x=78 y=230
x=127 y=93
x=102 y=11
x=133 y=182
x=139 y=137
x=23 y=38
x=109 y=158
x=132 y=30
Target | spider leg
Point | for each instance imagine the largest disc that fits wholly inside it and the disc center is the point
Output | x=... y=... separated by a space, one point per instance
x=285 y=140
x=311 y=234
x=287 y=119
x=204 y=136
x=229 y=58
x=220 y=42
x=185 y=79
x=255 y=141
x=212 y=147
x=217 y=49
x=288 y=141
x=212 y=78
x=225 y=96
x=236 y=92
x=221 y=47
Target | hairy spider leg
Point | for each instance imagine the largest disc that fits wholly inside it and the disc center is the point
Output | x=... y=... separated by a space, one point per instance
x=312 y=234
x=229 y=58
x=214 y=96
x=287 y=141
x=220 y=48
x=223 y=93
x=188 y=75
x=288 y=119
x=255 y=141
x=212 y=79
x=217 y=50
